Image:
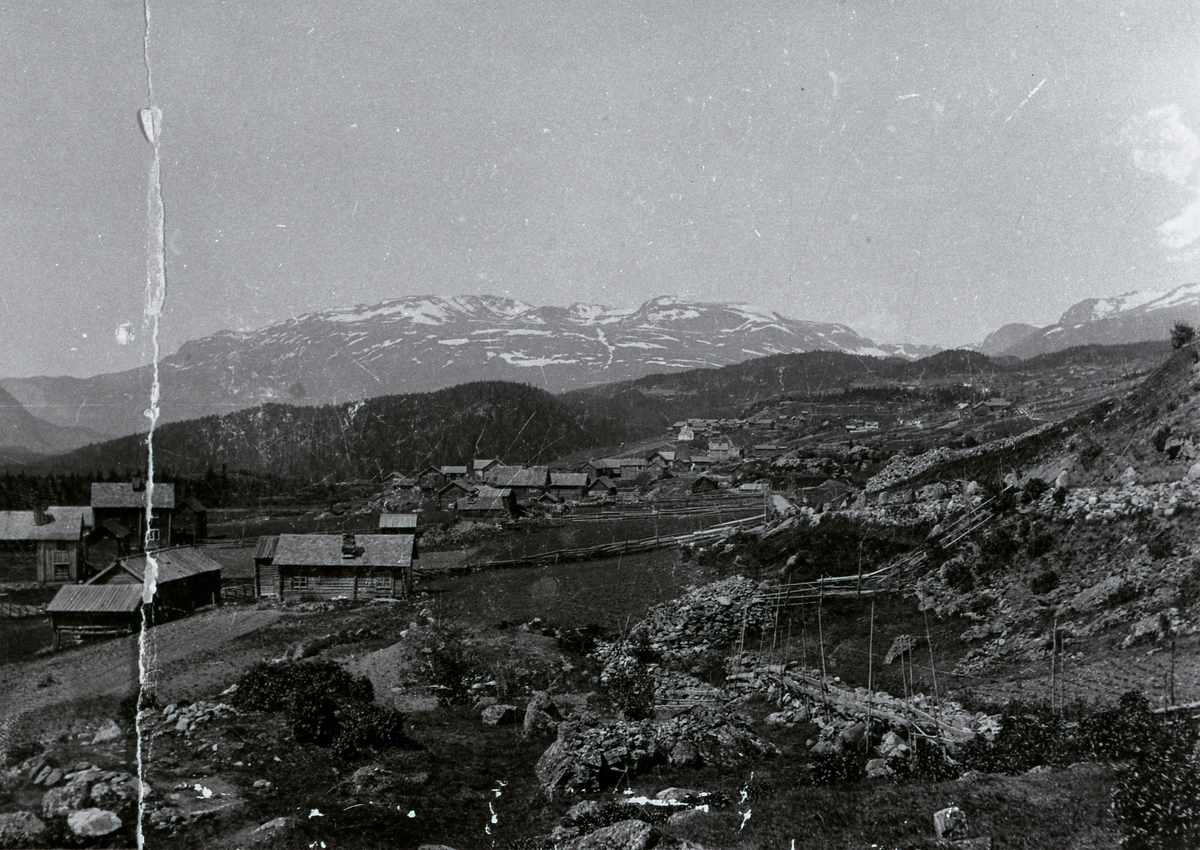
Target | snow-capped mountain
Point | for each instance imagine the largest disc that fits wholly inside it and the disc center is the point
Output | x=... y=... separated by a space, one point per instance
x=1132 y=317
x=427 y=343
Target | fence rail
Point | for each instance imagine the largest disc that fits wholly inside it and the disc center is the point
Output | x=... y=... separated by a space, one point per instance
x=14 y=611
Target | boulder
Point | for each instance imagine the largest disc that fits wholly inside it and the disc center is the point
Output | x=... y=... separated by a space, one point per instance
x=108 y=731
x=499 y=715
x=680 y=795
x=626 y=835
x=584 y=809
x=541 y=715
x=371 y=779
x=877 y=768
x=93 y=823
x=61 y=801
x=1129 y=477
x=19 y=829
x=950 y=823
x=851 y=737
x=280 y=829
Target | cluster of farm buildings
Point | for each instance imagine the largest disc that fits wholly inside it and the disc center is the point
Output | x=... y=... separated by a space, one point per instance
x=100 y=554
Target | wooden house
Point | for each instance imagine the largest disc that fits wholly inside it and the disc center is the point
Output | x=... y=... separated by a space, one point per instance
x=87 y=610
x=327 y=566
x=186 y=579
x=993 y=407
x=569 y=486
x=489 y=504
x=453 y=473
x=723 y=449
x=46 y=544
x=701 y=462
x=603 y=467
x=454 y=491
x=602 y=487
x=481 y=465
x=710 y=483
x=632 y=467
x=111 y=602
x=189 y=522
x=524 y=481
x=400 y=481
x=430 y=479
x=119 y=508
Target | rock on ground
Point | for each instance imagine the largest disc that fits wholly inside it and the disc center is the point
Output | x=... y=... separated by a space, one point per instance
x=950 y=822
x=93 y=823
x=626 y=835
x=20 y=829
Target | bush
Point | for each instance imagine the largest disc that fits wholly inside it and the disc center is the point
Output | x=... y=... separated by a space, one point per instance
x=1033 y=490
x=1182 y=334
x=449 y=660
x=957 y=573
x=831 y=768
x=1161 y=545
x=365 y=726
x=1024 y=741
x=273 y=687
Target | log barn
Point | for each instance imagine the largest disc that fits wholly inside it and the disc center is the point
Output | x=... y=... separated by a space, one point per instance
x=187 y=579
x=88 y=610
x=326 y=566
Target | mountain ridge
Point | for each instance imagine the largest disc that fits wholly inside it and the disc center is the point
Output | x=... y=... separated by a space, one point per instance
x=422 y=344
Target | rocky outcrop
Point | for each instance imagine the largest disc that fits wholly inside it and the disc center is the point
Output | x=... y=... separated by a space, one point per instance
x=589 y=755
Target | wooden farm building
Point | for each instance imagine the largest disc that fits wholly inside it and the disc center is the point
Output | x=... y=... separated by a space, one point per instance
x=119 y=511
x=568 y=485
x=89 y=610
x=488 y=504
x=325 y=566
x=111 y=601
x=48 y=544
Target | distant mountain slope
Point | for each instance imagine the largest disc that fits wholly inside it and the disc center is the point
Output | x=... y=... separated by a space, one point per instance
x=23 y=435
x=1132 y=317
x=422 y=344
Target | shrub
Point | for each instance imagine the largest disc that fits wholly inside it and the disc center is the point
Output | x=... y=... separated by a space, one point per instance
x=1161 y=545
x=1182 y=334
x=314 y=718
x=273 y=687
x=1024 y=741
x=957 y=573
x=449 y=660
x=1161 y=435
x=365 y=726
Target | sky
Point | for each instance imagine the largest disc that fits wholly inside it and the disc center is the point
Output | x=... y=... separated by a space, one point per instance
x=922 y=171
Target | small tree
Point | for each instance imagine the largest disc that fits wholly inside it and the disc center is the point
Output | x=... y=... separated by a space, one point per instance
x=1182 y=334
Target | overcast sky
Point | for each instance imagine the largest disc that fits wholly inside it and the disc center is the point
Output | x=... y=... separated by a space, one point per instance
x=922 y=171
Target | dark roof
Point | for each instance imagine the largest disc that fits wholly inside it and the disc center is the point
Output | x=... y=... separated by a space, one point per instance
x=397 y=520
x=483 y=505
x=173 y=564
x=457 y=484
x=602 y=483
x=533 y=476
x=265 y=550
x=115 y=529
x=191 y=502
x=90 y=598
x=122 y=495
x=20 y=525
x=67 y=512
x=568 y=479
x=325 y=550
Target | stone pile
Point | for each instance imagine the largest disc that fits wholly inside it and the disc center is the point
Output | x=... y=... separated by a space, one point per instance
x=702 y=621
x=185 y=719
x=590 y=754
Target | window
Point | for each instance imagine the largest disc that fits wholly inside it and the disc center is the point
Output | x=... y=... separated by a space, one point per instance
x=62 y=572
x=60 y=557
x=299 y=582
x=152 y=535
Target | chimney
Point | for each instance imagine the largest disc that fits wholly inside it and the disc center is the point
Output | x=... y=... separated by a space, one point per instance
x=349 y=548
x=39 y=516
x=138 y=484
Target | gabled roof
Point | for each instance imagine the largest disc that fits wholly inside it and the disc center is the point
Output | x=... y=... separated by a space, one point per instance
x=325 y=550
x=90 y=598
x=122 y=495
x=487 y=492
x=458 y=484
x=668 y=456
x=453 y=470
x=21 y=526
x=190 y=502
x=398 y=521
x=604 y=463
x=632 y=461
x=173 y=564
x=265 y=550
x=482 y=463
x=602 y=483
x=568 y=479
x=63 y=513
x=533 y=476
